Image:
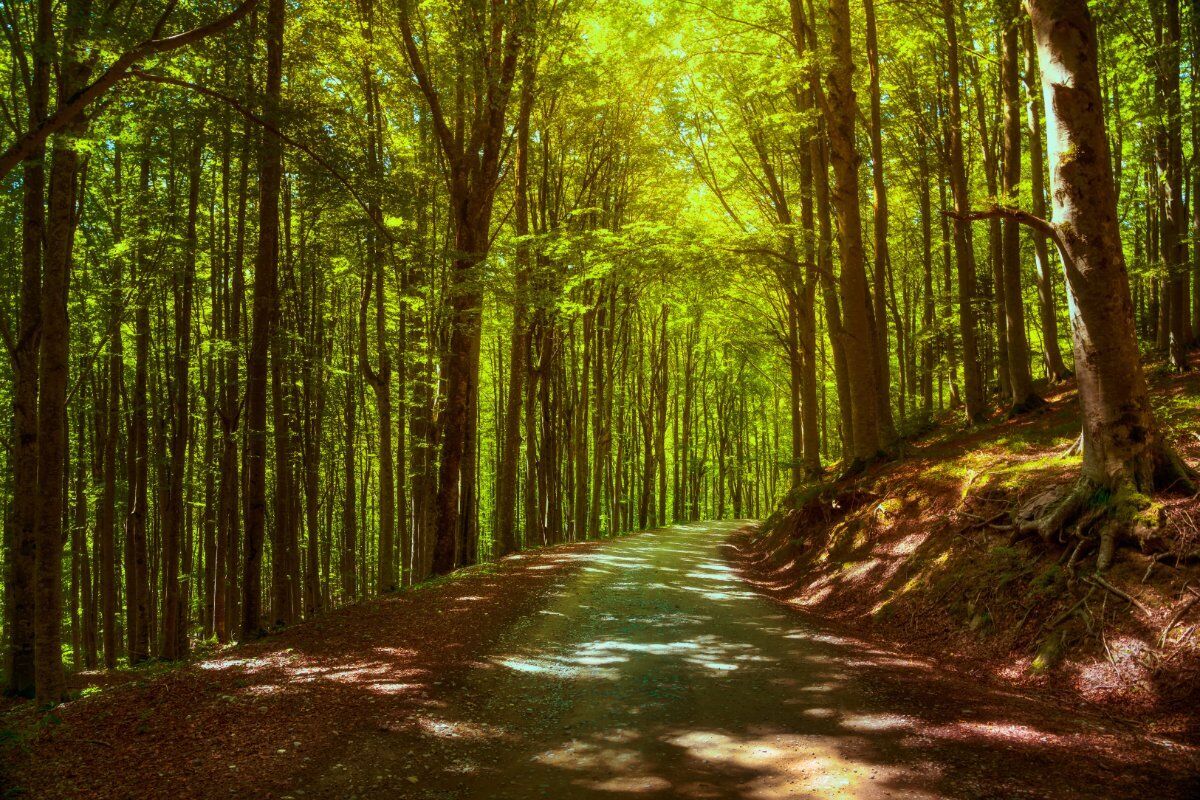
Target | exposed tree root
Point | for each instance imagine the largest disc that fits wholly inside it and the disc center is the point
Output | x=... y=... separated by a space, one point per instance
x=1109 y=515
x=1035 y=402
x=1075 y=449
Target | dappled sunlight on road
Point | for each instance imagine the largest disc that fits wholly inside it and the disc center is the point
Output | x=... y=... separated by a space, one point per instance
x=656 y=671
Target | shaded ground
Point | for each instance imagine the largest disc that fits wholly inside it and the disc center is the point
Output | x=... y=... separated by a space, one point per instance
x=249 y=721
x=643 y=667
x=920 y=551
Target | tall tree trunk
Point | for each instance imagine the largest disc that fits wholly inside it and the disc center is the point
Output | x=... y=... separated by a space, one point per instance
x=1169 y=151
x=963 y=250
x=842 y=106
x=1122 y=444
x=510 y=453
x=137 y=594
x=1024 y=398
x=174 y=644
x=348 y=568
x=887 y=427
x=266 y=266
x=1047 y=307
x=21 y=559
x=53 y=368
x=106 y=513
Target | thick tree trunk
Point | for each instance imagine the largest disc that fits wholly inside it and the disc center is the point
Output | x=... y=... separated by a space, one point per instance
x=53 y=366
x=464 y=304
x=1123 y=447
x=21 y=558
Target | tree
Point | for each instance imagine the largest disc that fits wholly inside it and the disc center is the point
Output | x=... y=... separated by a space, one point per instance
x=1124 y=452
x=857 y=330
x=473 y=155
x=265 y=313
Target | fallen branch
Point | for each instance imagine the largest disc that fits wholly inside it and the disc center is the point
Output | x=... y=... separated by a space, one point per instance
x=1098 y=581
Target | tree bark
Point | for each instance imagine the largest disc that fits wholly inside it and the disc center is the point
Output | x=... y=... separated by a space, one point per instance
x=1024 y=398
x=856 y=309
x=21 y=558
x=887 y=426
x=266 y=265
x=963 y=250
x=1122 y=444
x=1047 y=306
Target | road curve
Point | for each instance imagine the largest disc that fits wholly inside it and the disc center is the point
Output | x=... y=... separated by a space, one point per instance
x=654 y=671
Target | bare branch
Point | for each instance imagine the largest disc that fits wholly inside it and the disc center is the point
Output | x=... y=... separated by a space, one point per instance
x=1036 y=223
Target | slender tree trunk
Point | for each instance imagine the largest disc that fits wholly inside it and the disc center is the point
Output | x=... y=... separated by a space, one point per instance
x=174 y=643
x=887 y=426
x=348 y=568
x=266 y=265
x=1024 y=398
x=137 y=594
x=963 y=249
x=1173 y=224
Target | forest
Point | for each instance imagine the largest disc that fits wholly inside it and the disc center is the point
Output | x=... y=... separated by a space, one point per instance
x=340 y=334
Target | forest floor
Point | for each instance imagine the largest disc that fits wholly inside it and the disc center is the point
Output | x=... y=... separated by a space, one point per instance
x=645 y=666
x=917 y=552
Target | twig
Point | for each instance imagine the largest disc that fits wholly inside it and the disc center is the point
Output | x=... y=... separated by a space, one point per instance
x=1097 y=580
x=1178 y=615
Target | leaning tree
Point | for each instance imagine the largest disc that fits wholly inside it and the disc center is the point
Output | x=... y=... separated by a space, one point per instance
x=1125 y=455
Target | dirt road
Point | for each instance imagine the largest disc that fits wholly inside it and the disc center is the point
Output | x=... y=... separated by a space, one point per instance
x=652 y=670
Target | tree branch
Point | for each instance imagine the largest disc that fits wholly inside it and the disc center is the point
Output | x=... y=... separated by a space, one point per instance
x=73 y=106
x=425 y=84
x=274 y=131
x=1043 y=226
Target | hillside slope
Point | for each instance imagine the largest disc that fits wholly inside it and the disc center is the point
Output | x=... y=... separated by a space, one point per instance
x=919 y=552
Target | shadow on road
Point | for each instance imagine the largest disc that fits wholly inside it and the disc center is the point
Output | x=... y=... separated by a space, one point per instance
x=655 y=671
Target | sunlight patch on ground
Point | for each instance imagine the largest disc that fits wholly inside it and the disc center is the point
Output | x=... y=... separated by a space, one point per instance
x=788 y=765
x=577 y=755
x=632 y=784
x=457 y=729
x=820 y=713
x=995 y=731
x=393 y=688
x=249 y=664
x=557 y=668
x=875 y=722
